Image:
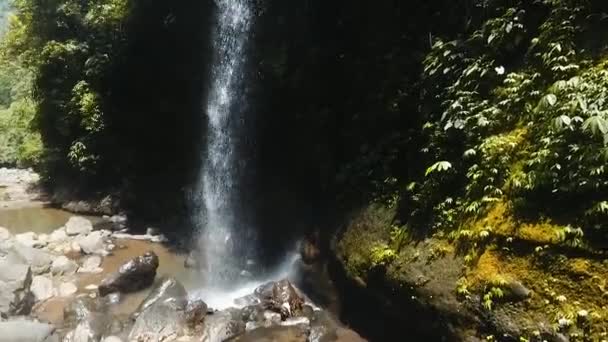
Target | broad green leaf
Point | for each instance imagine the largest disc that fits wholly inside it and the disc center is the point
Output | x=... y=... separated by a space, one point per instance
x=595 y=125
x=438 y=167
x=551 y=99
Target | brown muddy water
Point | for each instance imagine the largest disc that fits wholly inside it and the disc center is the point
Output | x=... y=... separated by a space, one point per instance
x=37 y=219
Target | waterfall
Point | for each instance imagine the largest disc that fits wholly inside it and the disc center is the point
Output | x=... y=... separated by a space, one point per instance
x=217 y=186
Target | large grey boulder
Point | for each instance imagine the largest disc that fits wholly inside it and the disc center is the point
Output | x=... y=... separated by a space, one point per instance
x=132 y=276
x=161 y=315
x=62 y=265
x=91 y=329
x=26 y=331
x=42 y=288
x=15 y=295
x=77 y=225
x=29 y=239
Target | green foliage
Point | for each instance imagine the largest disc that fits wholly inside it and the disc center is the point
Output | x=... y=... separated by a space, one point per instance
x=382 y=255
x=519 y=109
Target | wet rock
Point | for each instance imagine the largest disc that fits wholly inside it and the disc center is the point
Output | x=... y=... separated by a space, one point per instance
x=42 y=288
x=161 y=315
x=15 y=295
x=80 y=309
x=285 y=299
x=67 y=289
x=275 y=334
x=134 y=275
x=63 y=266
x=271 y=318
x=195 y=313
x=77 y=225
x=26 y=331
x=264 y=291
x=92 y=243
x=252 y=313
x=91 y=265
x=168 y=290
x=296 y=321
x=247 y=300
x=222 y=326
x=91 y=329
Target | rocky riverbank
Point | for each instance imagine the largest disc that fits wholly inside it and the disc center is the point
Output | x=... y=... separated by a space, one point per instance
x=91 y=280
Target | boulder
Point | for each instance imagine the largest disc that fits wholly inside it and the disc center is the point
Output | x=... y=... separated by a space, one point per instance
x=15 y=295
x=91 y=265
x=161 y=314
x=58 y=236
x=77 y=225
x=166 y=290
x=63 y=266
x=39 y=261
x=91 y=329
x=92 y=243
x=285 y=300
x=26 y=331
x=29 y=239
x=195 y=313
x=42 y=288
x=67 y=289
x=222 y=326
x=135 y=275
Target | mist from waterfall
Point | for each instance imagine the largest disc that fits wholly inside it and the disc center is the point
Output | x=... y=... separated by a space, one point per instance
x=217 y=186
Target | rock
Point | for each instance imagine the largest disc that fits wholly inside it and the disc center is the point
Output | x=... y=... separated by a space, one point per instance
x=29 y=239
x=92 y=243
x=42 y=288
x=91 y=329
x=271 y=318
x=275 y=334
x=67 y=289
x=63 y=266
x=15 y=295
x=195 y=313
x=4 y=234
x=91 y=287
x=26 y=331
x=91 y=265
x=167 y=290
x=134 y=275
x=221 y=326
x=296 y=321
x=58 y=236
x=75 y=247
x=309 y=249
x=152 y=231
x=39 y=261
x=247 y=300
x=285 y=299
x=160 y=316
x=112 y=339
x=77 y=225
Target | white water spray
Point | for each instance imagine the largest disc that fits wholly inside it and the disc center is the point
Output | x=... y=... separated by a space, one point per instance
x=218 y=178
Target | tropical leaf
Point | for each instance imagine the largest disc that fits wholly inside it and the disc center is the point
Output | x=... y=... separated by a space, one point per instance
x=596 y=125
x=438 y=167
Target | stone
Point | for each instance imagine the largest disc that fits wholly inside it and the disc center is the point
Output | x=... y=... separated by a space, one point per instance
x=160 y=316
x=222 y=326
x=112 y=339
x=296 y=321
x=195 y=313
x=39 y=261
x=135 y=275
x=15 y=295
x=91 y=287
x=42 y=288
x=91 y=265
x=90 y=329
x=75 y=247
x=285 y=299
x=58 y=236
x=26 y=331
x=67 y=289
x=77 y=225
x=29 y=239
x=5 y=234
x=166 y=290
x=92 y=243
x=63 y=266
x=152 y=231
x=517 y=290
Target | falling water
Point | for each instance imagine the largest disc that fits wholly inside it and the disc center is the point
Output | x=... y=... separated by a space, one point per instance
x=218 y=179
